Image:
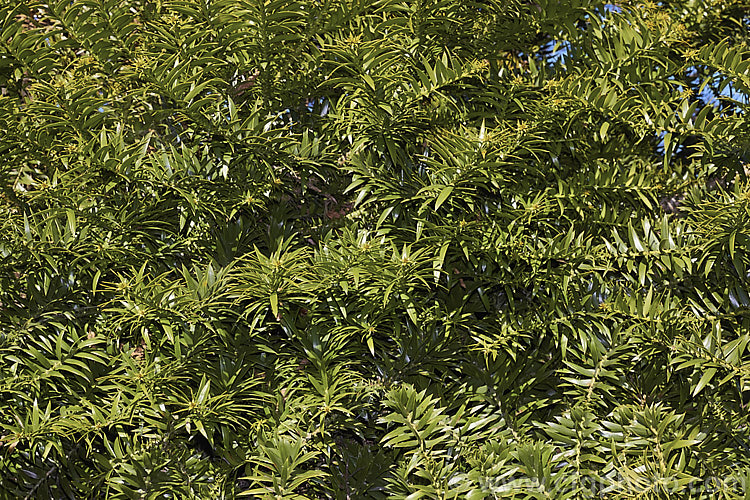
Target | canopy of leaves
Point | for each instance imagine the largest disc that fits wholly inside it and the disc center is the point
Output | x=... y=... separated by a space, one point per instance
x=374 y=249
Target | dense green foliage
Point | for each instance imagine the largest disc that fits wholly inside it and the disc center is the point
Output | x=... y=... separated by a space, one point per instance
x=374 y=248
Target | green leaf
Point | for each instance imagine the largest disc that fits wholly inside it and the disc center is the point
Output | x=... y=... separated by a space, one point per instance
x=704 y=380
x=444 y=193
